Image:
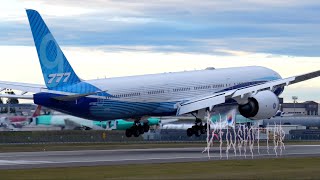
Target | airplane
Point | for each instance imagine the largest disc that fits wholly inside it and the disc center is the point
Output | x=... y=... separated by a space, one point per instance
x=76 y=123
x=282 y=114
x=253 y=89
x=308 y=121
x=67 y=122
x=20 y=121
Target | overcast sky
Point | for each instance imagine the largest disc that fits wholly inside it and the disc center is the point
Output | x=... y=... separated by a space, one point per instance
x=117 y=38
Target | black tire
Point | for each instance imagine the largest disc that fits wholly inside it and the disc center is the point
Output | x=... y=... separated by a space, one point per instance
x=197 y=132
x=189 y=132
x=141 y=129
x=146 y=127
x=136 y=132
x=203 y=129
x=128 y=133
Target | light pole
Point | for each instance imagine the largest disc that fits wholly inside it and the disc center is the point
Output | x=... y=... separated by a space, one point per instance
x=294 y=104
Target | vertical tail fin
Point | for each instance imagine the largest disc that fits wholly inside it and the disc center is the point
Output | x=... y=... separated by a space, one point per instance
x=56 y=70
x=37 y=112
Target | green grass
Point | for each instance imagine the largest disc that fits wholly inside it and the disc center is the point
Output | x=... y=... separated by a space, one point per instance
x=282 y=168
x=92 y=146
x=106 y=146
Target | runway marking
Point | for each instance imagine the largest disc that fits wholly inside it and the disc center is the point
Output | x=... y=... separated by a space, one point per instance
x=17 y=162
x=80 y=152
x=68 y=157
x=40 y=153
x=12 y=162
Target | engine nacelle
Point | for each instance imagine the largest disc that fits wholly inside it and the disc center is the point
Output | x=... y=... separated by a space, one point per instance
x=262 y=105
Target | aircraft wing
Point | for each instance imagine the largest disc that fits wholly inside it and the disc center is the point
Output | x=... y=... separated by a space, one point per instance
x=24 y=87
x=210 y=100
x=71 y=124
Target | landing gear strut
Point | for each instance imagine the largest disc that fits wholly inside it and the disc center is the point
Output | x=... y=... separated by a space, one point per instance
x=197 y=129
x=137 y=129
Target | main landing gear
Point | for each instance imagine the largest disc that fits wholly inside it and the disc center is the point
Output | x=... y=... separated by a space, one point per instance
x=197 y=129
x=137 y=129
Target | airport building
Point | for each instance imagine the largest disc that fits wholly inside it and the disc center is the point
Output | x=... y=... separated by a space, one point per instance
x=308 y=108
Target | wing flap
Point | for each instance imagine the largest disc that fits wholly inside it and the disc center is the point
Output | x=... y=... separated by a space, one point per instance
x=261 y=87
x=204 y=102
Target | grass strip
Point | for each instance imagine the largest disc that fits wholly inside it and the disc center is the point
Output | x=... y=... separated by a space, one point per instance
x=281 y=168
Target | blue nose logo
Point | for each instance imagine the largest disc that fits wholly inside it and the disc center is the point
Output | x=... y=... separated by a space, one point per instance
x=274 y=105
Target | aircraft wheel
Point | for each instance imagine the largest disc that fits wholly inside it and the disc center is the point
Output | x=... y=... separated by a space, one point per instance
x=141 y=129
x=203 y=129
x=189 y=132
x=197 y=132
x=146 y=127
x=136 y=132
x=128 y=133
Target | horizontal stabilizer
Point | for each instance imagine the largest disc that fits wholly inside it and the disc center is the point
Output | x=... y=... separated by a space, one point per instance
x=16 y=96
x=25 y=87
x=77 y=96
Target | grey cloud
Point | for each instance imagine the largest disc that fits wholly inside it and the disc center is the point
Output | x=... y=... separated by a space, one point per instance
x=281 y=27
x=182 y=4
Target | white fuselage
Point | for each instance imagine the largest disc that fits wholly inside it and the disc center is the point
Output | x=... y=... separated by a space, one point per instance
x=178 y=86
x=157 y=94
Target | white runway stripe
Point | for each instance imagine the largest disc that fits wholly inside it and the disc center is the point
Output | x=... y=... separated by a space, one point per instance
x=12 y=162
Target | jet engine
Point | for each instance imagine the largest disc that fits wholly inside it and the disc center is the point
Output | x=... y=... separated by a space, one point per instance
x=262 y=105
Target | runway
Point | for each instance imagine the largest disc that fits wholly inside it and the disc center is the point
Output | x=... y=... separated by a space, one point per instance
x=22 y=160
